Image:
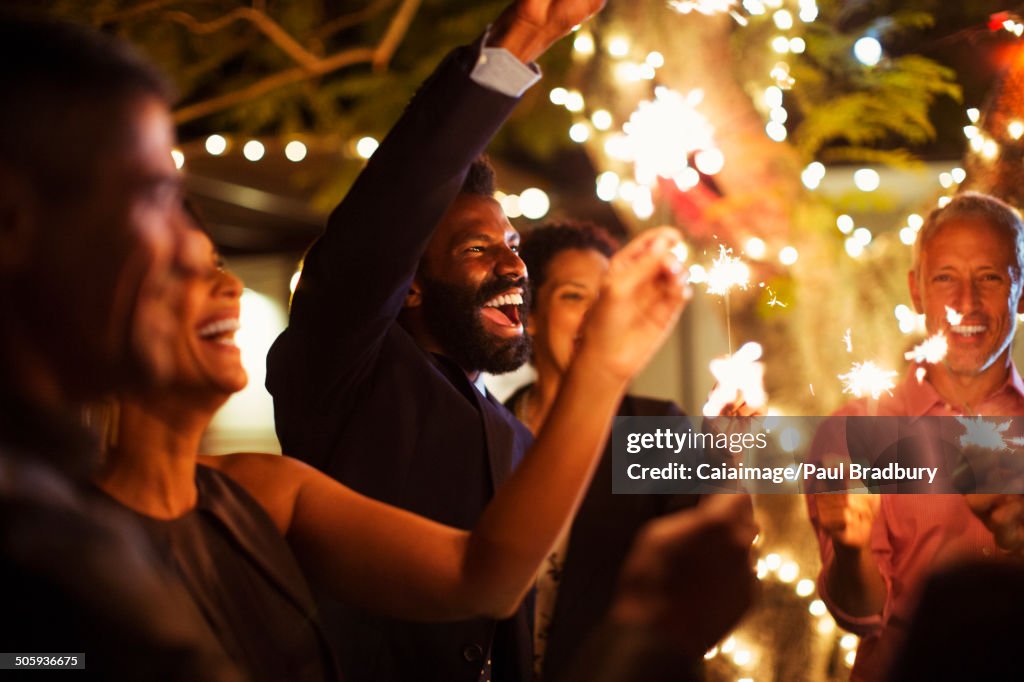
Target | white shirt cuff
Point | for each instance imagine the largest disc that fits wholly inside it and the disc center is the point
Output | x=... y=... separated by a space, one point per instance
x=498 y=69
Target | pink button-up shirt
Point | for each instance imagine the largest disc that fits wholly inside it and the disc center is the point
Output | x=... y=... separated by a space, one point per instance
x=912 y=534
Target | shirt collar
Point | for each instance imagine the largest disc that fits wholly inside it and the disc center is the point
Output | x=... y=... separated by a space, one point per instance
x=920 y=397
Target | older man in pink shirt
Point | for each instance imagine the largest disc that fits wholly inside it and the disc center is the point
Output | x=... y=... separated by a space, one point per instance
x=877 y=550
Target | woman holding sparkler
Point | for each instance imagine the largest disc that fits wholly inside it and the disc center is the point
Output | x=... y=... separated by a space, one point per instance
x=241 y=530
x=568 y=262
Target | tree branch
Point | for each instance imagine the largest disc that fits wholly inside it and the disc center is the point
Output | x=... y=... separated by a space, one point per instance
x=352 y=19
x=141 y=8
x=267 y=26
x=379 y=56
x=395 y=33
x=278 y=80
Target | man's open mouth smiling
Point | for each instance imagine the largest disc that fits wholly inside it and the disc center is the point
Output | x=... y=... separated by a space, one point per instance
x=504 y=309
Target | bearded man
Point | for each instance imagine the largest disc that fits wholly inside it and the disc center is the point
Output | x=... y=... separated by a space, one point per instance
x=415 y=289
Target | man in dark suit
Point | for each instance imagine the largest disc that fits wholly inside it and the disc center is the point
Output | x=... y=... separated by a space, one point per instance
x=567 y=261
x=412 y=291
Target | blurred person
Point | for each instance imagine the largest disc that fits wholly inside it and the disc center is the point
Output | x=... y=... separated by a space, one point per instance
x=568 y=262
x=877 y=550
x=415 y=289
x=980 y=642
x=92 y=247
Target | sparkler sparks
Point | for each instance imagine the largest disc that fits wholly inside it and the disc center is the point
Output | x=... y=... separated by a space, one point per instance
x=740 y=377
x=867 y=378
x=773 y=300
x=953 y=317
x=708 y=7
x=982 y=433
x=920 y=372
x=848 y=341
x=702 y=6
x=680 y=252
x=727 y=272
x=661 y=134
x=931 y=350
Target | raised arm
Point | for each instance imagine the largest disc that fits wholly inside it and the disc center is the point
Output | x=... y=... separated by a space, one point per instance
x=357 y=273
x=395 y=562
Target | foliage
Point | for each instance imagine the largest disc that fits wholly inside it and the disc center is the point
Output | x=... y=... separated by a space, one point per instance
x=851 y=112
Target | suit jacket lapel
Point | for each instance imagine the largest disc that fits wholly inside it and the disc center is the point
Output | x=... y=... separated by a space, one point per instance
x=500 y=436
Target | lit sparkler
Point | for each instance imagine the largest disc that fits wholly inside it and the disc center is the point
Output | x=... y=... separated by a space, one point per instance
x=708 y=7
x=739 y=377
x=920 y=372
x=982 y=433
x=727 y=272
x=848 y=341
x=867 y=378
x=661 y=134
x=953 y=317
x=931 y=350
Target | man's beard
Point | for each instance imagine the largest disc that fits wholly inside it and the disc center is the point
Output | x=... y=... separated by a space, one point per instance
x=452 y=315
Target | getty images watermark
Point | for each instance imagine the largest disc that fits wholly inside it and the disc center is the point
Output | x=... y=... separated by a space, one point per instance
x=677 y=455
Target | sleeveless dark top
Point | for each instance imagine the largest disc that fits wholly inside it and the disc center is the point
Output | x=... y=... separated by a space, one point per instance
x=245 y=581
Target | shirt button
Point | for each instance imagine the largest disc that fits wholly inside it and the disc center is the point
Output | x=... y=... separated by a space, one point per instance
x=473 y=652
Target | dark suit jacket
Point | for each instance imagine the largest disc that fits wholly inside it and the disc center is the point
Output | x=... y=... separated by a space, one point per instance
x=357 y=397
x=599 y=540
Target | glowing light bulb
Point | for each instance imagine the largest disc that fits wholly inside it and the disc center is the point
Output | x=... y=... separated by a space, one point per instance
x=216 y=145
x=755 y=248
x=253 y=150
x=607 y=185
x=776 y=131
x=783 y=19
x=867 y=179
x=574 y=101
x=655 y=59
x=868 y=51
x=579 y=132
x=366 y=146
x=601 y=119
x=295 y=151
x=534 y=203
x=583 y=43
x=618 y=46
x=709 y=161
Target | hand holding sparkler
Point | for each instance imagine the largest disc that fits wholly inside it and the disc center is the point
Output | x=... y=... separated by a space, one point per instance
x=848 y=517
x=740 y=381
x=1003 y=515
x=989 y=459
x=641 y=298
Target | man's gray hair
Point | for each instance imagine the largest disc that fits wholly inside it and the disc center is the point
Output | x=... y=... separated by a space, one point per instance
x=974 y=206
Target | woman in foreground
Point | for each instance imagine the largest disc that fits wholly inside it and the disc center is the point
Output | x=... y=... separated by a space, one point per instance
x=241 y=530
